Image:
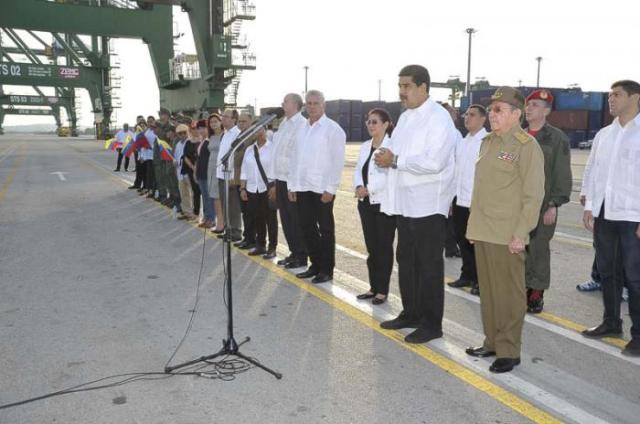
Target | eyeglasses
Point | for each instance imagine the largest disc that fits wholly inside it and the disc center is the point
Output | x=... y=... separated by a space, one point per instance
x=372 y=122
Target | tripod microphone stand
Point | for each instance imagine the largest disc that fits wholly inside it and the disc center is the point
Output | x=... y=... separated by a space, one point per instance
x=229 y=345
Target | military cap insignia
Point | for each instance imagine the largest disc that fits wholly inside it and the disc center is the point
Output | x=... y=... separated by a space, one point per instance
x=544 y=95
x=497 y=94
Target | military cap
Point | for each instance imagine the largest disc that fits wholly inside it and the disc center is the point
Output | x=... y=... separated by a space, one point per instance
x=508 y=95
x=164 y=110
x=543 y=95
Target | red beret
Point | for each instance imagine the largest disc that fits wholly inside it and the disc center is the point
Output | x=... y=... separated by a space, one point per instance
x=541 y=95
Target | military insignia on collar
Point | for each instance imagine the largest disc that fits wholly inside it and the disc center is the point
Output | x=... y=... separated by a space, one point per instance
x=507 y=156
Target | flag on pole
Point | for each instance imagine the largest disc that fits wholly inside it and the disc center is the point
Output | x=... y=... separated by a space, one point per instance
x=165 y=150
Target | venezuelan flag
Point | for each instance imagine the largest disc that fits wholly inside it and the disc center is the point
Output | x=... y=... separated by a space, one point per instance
x=165 y=150
x=140 y=142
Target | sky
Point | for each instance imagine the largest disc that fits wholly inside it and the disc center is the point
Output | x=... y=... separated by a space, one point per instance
x=350 y=45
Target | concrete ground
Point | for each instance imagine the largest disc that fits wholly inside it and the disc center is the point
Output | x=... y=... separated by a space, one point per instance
x=97 y=281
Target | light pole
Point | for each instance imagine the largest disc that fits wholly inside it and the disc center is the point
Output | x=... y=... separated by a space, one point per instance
x=467 y=90
x=379 y=90
x=539 y=59
x=306 y=70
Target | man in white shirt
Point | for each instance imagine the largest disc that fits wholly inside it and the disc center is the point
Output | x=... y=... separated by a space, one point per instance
x=314 y=177
x=231 y=131
x=122 y=137
x=466 y=155
x=612 y=211
x=254 y=186
x=147 y=156
x=420 y=154
x=284 y=141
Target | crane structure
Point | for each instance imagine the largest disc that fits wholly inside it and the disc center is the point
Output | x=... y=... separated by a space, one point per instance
x=79 y=55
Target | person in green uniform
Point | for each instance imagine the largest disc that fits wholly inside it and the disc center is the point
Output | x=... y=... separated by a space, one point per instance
x=557 y=191
x=159 y=166
x=507 y=194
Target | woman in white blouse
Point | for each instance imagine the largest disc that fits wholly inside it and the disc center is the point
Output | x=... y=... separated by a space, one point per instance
x=379 y=228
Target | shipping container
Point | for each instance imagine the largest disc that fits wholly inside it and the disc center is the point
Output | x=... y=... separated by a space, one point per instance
x=576 y=136
x=578 y=100
x=337 y=107
x=569 y=119
x=356 y=114
x=595 y=120
x=356 y=135
x=394 y=109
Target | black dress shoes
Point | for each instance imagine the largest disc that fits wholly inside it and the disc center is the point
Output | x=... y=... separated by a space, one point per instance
x=459 y=283
x=133 y=187
x=257 y=251
x=283 y=262
x=295 y=264
x=603 y=330
x=480 y=352
x=244 y=245
x=422 y=335
x=504 y=365
x=271 y=253
x=364 y=296
x=401 y=321
x=475 y=290
x=322 y=278
x=307 y=274
x=379 y=300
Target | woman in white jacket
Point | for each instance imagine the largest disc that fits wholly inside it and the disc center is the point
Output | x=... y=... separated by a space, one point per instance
x=379 y=228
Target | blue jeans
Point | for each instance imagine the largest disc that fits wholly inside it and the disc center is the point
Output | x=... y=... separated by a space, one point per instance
x=207 y=202
x=618 y=258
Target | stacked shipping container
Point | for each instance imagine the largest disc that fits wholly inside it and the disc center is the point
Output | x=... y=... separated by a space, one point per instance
x=579 y=114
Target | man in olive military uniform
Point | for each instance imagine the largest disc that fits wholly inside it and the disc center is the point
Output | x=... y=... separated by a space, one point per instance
x=505 y=205
x=159 y=166
x=557 y=191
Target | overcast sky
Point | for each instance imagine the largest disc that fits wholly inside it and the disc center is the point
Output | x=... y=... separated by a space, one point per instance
x=350 y=45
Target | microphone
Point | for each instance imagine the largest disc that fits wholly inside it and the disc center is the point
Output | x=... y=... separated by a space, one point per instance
x=245 y=135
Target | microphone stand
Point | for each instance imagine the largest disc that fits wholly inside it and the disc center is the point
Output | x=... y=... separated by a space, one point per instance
x=229 y=345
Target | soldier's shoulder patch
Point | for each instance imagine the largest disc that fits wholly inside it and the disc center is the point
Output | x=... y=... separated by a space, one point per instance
x=522 y=136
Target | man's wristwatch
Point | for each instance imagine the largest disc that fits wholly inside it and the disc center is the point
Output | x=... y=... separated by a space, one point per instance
x=394 y=162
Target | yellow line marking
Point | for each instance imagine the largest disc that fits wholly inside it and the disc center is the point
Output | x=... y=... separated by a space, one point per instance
x=578 y=328
x=468 y=376
x=5 y=186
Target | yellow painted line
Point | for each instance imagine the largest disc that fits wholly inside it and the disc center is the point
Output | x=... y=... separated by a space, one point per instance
x=14 y=169
x=468 y=376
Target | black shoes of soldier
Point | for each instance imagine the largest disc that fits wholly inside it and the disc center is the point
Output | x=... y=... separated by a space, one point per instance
x=480 y=352
x=460 y=283
x=501 y=365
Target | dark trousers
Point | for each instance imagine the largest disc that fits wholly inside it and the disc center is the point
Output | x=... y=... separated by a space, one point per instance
x=149 y=175
x=126 y=160
x=290 y=222
x=139 y=172
x=260 y=219
x=318 y=229
x=421 y=269
x=460 y=218
x=618 y=258
x=450 y=243
x=234 y=208
x=379 y=231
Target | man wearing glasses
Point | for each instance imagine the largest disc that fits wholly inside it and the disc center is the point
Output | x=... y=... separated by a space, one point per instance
x=508 y=190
